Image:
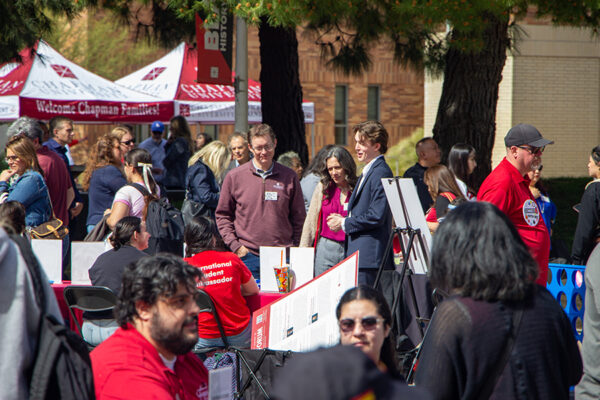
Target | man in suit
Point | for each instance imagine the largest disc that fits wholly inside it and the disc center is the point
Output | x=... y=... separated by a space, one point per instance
x=369 y=222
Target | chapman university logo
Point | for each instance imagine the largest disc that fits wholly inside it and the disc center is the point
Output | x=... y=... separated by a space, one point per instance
x=63 y=71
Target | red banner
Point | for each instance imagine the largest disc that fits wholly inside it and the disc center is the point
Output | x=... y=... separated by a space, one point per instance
x=96 y=111
x=215 y=42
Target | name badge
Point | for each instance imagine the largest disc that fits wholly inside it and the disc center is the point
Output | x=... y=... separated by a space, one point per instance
x=271 y=196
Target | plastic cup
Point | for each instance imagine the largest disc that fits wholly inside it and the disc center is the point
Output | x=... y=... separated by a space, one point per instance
x=282 y=276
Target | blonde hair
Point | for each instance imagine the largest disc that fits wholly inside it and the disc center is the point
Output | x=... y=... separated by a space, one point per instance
x=120 y=131
x=216 y=155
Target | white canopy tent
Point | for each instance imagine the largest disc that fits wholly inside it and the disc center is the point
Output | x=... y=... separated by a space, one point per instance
x=46 y=85
x=173 y=77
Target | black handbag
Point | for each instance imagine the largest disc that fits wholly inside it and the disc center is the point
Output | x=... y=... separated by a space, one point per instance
x=192 y=209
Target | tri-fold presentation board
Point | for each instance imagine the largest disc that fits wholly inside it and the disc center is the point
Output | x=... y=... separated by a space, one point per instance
x=304 y=319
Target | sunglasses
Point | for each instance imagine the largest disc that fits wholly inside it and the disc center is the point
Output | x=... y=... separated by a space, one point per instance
x=367 y=323
x=128 y=142
x=536 y=151
x=11 y=158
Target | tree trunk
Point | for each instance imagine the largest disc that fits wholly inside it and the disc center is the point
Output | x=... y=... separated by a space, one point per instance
x=467 y=109
x=281 y=92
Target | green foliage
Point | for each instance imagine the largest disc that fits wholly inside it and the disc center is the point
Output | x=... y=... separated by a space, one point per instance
x=23 y=22
x=107 y=51
x=421 y=31
x=402 y=155
x=156 y=21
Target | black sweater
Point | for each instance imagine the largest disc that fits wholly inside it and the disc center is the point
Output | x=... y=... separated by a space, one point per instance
x=587 y=224
x=466 y=340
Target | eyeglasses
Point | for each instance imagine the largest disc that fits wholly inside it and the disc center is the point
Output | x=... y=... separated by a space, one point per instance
x=536 y=151
x=368 y=323
x=11 y=158
x=128 y=142
x=267 y=147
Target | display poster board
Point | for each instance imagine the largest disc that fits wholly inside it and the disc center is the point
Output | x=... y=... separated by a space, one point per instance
x=49 y=254
x=83 y=256
x=304 y=319
x=301 y=262
x=406 y=209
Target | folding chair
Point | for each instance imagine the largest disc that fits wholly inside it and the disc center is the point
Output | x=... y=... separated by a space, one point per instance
x=88 y=298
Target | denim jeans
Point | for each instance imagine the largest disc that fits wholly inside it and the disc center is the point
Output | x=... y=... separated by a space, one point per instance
x=253 y=263
x=241 y=340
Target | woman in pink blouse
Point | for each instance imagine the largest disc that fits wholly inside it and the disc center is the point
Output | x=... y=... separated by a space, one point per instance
x=338 y=178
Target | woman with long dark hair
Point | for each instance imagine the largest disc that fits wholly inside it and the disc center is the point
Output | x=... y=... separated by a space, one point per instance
x=23 y=181
x=365 y=321
x=226 y=280
x=443 y=190
x=103 y=177
x=462 y=163
x=338 y=178
x=587 y=233
x=498 y=335
x=178 y=150
x=129 y=200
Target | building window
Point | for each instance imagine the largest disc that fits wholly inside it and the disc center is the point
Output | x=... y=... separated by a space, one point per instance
x=341 y=114
x=373 y=103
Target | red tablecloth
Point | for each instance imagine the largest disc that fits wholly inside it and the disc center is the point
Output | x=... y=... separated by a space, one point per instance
x=254 y=302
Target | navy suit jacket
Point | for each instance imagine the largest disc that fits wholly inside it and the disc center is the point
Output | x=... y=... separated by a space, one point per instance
x=369 y=224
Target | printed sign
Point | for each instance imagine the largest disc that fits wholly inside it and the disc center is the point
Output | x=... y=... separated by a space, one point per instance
x=215 y=48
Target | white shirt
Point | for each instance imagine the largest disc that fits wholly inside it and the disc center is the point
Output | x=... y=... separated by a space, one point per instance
x=365 y=171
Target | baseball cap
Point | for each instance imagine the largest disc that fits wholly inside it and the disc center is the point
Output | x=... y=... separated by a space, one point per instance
x=338 y=373
x=525 y=134
x=157 y=126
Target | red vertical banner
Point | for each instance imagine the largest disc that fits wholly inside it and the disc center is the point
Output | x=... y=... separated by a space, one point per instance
x=215 y=42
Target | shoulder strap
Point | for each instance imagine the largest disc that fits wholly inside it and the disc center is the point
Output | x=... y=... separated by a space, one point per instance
x=490 y=384
x=141 y=188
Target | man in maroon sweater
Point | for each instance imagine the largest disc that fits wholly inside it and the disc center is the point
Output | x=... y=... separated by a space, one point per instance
x=261 y=202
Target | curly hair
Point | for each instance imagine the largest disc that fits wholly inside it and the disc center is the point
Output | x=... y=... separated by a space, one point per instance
x=101 y=156
x=150 y=278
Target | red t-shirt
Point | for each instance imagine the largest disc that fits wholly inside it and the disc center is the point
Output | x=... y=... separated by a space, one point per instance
x=224 y=273
x=508 y=190
x=128 y=367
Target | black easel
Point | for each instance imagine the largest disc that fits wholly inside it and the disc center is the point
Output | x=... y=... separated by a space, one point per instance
x=406 y=253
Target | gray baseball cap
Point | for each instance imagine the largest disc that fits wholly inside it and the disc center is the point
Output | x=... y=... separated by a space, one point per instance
x=525 y=134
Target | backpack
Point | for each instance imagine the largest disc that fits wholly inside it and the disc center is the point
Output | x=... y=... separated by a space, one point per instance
x=62 y=369
x=164 y=223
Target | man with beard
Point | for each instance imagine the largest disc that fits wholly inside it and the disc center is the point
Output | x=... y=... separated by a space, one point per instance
x=149 y=355
x=507 y=187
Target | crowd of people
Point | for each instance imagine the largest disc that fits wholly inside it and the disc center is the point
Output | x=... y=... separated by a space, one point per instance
x=498 y=334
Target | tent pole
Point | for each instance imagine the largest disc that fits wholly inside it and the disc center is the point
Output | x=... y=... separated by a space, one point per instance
x=241 y=76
